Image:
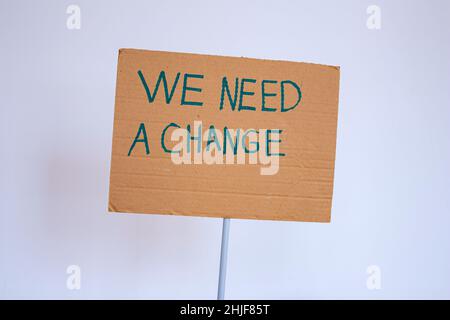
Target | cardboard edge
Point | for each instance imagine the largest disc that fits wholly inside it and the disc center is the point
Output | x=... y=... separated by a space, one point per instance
x=112 y=209
x=132 y=50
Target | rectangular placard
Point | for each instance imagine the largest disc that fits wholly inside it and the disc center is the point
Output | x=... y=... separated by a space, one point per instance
x=217 y=136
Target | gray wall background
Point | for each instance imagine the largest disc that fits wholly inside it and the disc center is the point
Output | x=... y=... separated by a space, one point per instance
x=391 y=199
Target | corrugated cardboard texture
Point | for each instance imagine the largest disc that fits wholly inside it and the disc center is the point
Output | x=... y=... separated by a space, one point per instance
x=151 y=183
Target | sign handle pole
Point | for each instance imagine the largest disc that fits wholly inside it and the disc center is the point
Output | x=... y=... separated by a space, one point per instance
x=223 y=258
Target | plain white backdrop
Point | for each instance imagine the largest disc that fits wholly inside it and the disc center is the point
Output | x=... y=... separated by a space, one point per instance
x=391 y=201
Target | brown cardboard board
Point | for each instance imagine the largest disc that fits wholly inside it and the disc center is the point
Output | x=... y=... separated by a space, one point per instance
x=144 y=178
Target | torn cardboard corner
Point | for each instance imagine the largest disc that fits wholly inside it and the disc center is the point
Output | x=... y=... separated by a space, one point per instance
x=223 y=137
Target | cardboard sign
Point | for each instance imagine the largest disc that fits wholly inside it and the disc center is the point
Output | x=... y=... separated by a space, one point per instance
x=223 y=137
